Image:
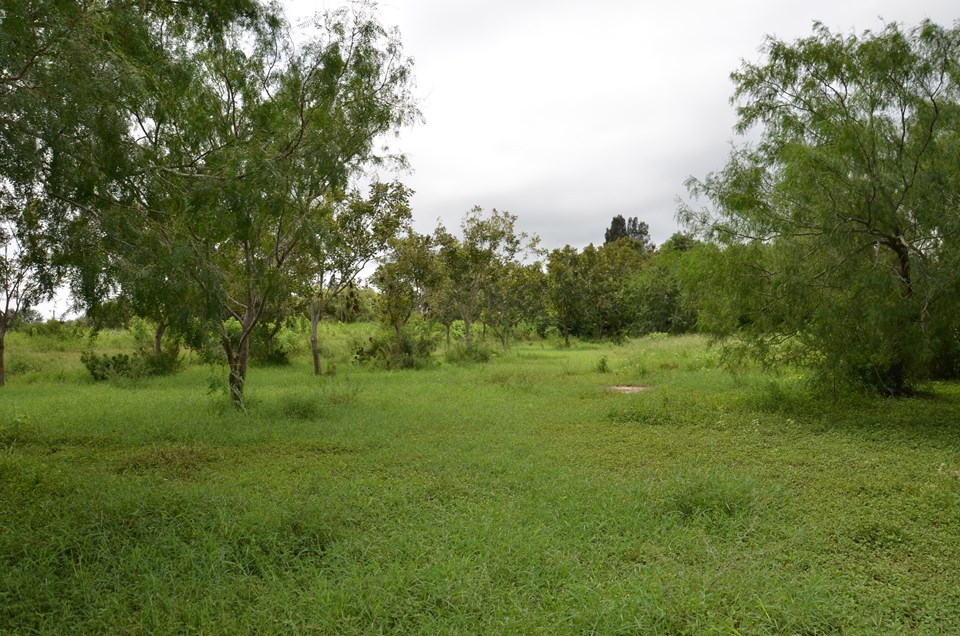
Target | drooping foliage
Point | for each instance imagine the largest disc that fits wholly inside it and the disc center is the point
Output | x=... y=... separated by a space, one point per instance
x=839 y=230
x=186 y=152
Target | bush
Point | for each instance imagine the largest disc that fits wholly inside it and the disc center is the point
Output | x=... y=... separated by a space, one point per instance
x=140 y=365
x=461 y=354
x=409 y=351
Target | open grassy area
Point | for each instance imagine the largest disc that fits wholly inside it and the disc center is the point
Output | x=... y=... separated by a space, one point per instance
x=519 y=496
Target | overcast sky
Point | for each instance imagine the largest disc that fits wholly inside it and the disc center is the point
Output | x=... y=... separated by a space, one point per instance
x=568 y=112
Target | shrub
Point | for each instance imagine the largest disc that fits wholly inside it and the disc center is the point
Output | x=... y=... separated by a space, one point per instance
x=140 y=365
x=461 y=354
x=602 y=365
x=408 y=351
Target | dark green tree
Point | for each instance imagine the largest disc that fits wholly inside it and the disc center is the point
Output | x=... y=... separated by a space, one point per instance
x=565 y=289
x=632 y=228
x=656 y=294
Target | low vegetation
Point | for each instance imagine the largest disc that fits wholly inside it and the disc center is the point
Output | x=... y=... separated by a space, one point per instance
x=520 y=495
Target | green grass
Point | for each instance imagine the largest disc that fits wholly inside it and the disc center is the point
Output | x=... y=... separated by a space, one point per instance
x=518 y=496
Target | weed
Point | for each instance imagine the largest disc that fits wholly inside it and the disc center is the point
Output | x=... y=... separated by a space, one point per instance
x=602 y=365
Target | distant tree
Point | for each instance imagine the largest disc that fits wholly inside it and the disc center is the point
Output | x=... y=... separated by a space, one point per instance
x=402 y=278
x=468 y=266
x=617 y=229
x=565 y=289
x=344 y=241
x=838 y=232
x=26 y=277
x=656 y=294
x=633 y=229
x=515 y=293
x=603 y=274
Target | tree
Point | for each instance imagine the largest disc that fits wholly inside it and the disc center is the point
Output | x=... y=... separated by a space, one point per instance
x=633 y=229
x=73 y=77
x=249 y=155
x=467 y=266
x=70 y=74
x=344 y=242
x=26 y=277
x=515 y=293
x=564 y=289
x=603 y=273
x=656 y=294
x=403 y=278
x=838 y=231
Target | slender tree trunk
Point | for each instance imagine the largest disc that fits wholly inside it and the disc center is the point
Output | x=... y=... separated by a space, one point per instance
x=566 y=336
x=238 y=371
x=897 y=370
x=238 y=357
x=466 y=331
x=271 y=337
x=316 y=311
x=3 y=376
x=158 y=337
x=447 y=328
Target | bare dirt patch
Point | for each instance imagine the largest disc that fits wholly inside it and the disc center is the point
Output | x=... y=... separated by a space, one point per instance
x=630 y=389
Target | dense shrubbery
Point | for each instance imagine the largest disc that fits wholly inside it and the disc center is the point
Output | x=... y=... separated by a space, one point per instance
x=408 y=349
x=141 y=364
x=479 y=352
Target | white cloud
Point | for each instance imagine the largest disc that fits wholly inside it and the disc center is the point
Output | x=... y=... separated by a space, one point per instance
x=568 y=112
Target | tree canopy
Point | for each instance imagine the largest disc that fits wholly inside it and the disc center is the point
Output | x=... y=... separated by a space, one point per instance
x=839 y=227
x=184 y=153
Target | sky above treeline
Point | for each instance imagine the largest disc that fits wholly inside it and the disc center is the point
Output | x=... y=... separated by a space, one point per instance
x=568 y=112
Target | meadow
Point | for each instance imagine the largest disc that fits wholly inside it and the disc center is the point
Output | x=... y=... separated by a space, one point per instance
x=520 y=496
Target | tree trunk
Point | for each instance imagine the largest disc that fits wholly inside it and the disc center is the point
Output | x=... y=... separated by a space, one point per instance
x=896 y=376
x=447 y=327
x=316 y=310
x=271 y=337
x=158 y=337
x=466 y=331
x=237 y=359
x=238 y=371
x=3 y=377
x=566 y=336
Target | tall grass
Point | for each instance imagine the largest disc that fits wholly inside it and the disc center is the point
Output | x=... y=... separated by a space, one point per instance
x=517 y=496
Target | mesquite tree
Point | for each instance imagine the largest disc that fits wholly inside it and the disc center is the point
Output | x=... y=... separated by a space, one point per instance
x=839 y=230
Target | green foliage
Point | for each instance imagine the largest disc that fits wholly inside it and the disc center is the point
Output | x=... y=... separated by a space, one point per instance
x=480 y=273
x=839 y=229
x=588 y=291
x=638 y=232
x=602 y=365
x=142 y=364
x=406 y=349
x=190 y=162
x=479 y=353
x=656 y=295
x=403 y=278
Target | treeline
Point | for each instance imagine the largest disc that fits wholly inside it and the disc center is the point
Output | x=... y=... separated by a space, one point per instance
x=494 y=276
x=195 y=164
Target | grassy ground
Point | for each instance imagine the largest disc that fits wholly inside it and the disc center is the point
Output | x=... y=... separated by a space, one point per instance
x=520 y=496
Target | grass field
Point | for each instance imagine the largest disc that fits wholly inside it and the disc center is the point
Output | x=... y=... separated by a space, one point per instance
x=519 y=496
